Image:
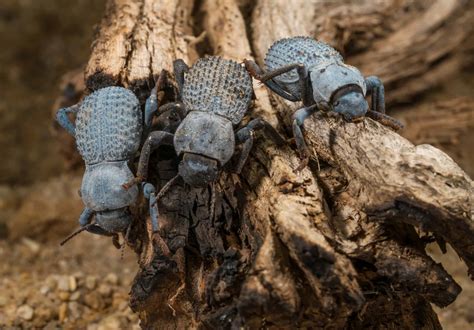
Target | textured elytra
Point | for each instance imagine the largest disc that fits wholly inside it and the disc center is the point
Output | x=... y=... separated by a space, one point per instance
x=219 y=86
x=108 y=125
x=304 y=50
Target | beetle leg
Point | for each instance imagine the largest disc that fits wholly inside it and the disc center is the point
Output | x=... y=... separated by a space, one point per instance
x=375 y=87
x=84 y=221
x=246 y=136
x=176 y=108
x=169 y=116
x=256 y=72
x=150 y=194
x=85 y=217
x=385 y=120
x=259 y=123
x=151 y=105
x=298 y=121
x=153 y=141
x=180 y=68
x=305 y=86
x=63 y=119
x=264 y=76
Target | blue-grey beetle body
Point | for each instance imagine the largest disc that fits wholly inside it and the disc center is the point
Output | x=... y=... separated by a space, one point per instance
x=304 y=69
x=327 y=70
x=215 y=94
x=108 y=129
x=108 y=133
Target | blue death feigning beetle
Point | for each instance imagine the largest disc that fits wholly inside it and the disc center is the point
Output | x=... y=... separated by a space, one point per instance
x=109 y=127
x=311 y=71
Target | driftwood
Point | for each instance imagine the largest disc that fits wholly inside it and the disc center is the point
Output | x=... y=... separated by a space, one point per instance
x=340 y=243
x=448 y=124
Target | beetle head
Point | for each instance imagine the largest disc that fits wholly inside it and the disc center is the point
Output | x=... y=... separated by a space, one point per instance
x=351 y=104
x=197 y=170
x=114 y=221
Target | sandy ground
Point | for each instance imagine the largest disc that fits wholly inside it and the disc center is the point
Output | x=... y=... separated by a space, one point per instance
x=85 y=284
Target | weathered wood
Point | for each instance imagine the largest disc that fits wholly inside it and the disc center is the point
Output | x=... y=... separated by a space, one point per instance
x=136 y=40
x=448 y=125
x=329 y=246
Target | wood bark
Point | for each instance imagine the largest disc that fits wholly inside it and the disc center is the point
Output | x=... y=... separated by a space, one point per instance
x=340 y=243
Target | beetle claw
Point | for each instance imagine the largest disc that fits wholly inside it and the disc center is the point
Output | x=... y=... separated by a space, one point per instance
x=131 y=183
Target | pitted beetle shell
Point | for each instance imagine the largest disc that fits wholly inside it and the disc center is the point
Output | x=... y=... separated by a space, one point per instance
x=102 y=189
x=109 y=125
x=205 y=134
x=219 y=86
x=304 y=50
x=327 y=68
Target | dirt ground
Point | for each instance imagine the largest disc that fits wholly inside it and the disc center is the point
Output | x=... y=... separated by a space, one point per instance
x=84 y=285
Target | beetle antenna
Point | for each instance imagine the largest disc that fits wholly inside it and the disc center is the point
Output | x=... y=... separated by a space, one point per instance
x=213 y=200
x=122 y=250
x=166 y=187
x=125 y=240
x=77 y=232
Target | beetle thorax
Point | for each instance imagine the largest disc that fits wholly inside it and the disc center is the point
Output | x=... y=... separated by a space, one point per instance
x=205 y=134
x=330 y=76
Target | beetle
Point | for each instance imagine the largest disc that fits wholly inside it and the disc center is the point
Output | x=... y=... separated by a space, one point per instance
x=311 y=71
x=108 y=129
x=214 y=95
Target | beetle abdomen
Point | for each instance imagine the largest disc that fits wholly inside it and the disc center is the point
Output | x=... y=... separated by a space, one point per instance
x=304 y=50
x=109 y=125
x=220 y=86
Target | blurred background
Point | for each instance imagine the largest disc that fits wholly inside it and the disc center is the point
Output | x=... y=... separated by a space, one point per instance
x=85 y=284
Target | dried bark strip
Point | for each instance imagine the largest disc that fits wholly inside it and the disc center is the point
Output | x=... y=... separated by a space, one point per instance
x=136 y=40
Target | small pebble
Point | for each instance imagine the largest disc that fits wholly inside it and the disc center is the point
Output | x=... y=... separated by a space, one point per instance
x=44 y=290
x=111 y=322
x=53 y=325
x=112 y=278
x=50 y=282
x=64 y=296
x=75 y=296
x=94 y=300
x=74 y=310
x=44 y=313
x=62 y=312
x=63 y=283
x=32 y=245
x=25 y=312
x=105 y=290
x=90 y=282
x=72 y=283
